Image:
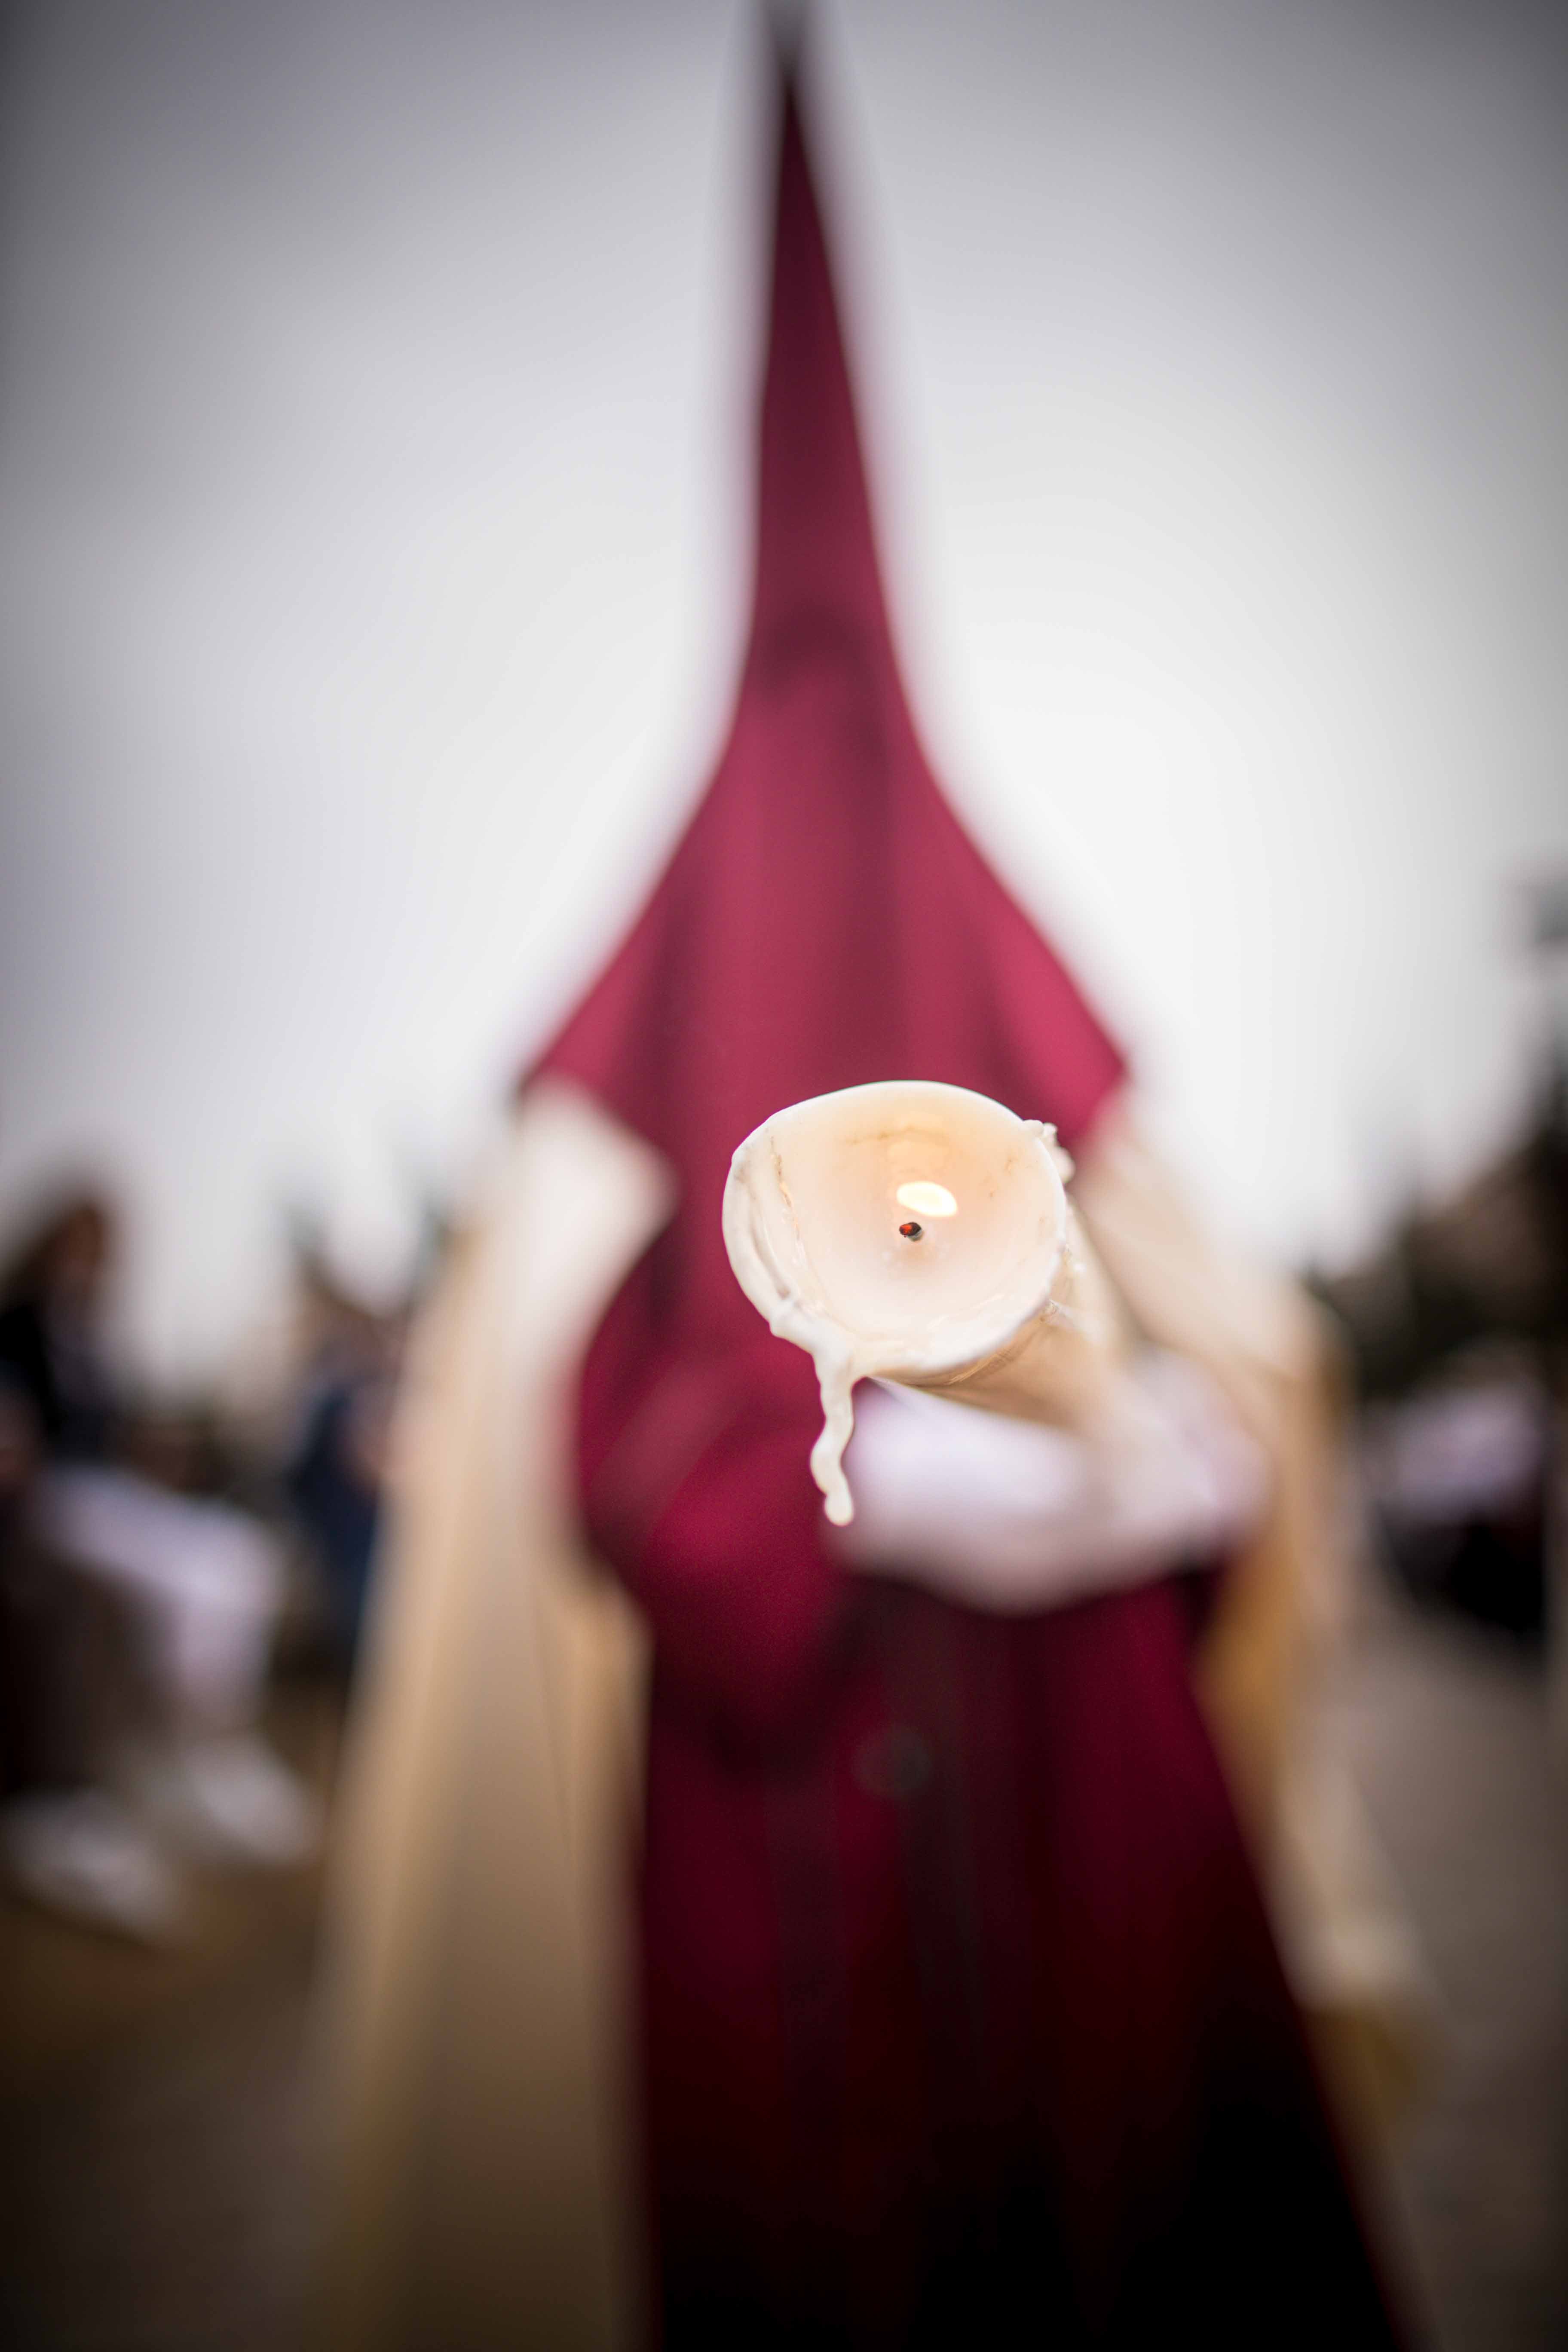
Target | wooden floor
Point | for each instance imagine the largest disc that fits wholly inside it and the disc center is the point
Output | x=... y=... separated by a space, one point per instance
x=155 y=2126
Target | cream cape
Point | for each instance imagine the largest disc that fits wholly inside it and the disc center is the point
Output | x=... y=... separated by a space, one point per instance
x=482 y=2189
x=473 y=2006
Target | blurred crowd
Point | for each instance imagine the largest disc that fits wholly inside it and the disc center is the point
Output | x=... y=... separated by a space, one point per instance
x=158 y=1565
x=1459 y=1333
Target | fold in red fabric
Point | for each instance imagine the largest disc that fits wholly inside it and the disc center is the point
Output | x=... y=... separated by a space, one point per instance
x=961 y=2020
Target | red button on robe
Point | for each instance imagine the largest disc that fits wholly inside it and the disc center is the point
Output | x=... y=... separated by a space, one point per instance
x=961 y=2022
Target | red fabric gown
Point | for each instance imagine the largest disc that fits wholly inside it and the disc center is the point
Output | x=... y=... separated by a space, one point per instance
x=962 y=2023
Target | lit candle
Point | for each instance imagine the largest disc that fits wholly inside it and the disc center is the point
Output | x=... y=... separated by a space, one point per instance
x=918 y=1233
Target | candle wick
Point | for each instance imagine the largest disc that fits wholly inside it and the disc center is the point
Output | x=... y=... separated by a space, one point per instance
x=911 y=1231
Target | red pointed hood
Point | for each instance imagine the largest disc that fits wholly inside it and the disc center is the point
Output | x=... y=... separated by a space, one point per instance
x=824 y=919
x=816 y=552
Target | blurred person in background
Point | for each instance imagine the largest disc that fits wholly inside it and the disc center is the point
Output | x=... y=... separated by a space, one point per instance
x=1458 y=1331
x=338 y=1463
x=958 y=2015
x=197 y=1585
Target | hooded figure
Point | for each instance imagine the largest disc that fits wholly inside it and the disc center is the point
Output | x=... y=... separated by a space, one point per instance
x=952 y=2014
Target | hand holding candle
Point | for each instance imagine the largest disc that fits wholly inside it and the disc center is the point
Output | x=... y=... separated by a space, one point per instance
x=918 y=1233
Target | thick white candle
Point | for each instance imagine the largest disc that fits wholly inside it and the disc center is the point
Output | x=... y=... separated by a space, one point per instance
x=914 y=1232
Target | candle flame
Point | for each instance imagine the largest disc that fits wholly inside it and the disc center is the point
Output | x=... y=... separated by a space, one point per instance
x=931 y=1200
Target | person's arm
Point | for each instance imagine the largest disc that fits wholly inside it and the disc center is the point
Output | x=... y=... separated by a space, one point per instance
x=23 y=1372
x=19 y=1448
x=697 y=1490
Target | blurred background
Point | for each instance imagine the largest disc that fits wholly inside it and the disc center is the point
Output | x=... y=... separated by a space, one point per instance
x=373 y=449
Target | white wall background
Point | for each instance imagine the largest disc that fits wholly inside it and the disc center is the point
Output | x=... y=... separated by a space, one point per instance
x=373 y=466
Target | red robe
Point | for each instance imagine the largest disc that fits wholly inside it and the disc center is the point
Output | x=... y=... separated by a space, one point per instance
x=963 y=2022
x=961 y=2019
